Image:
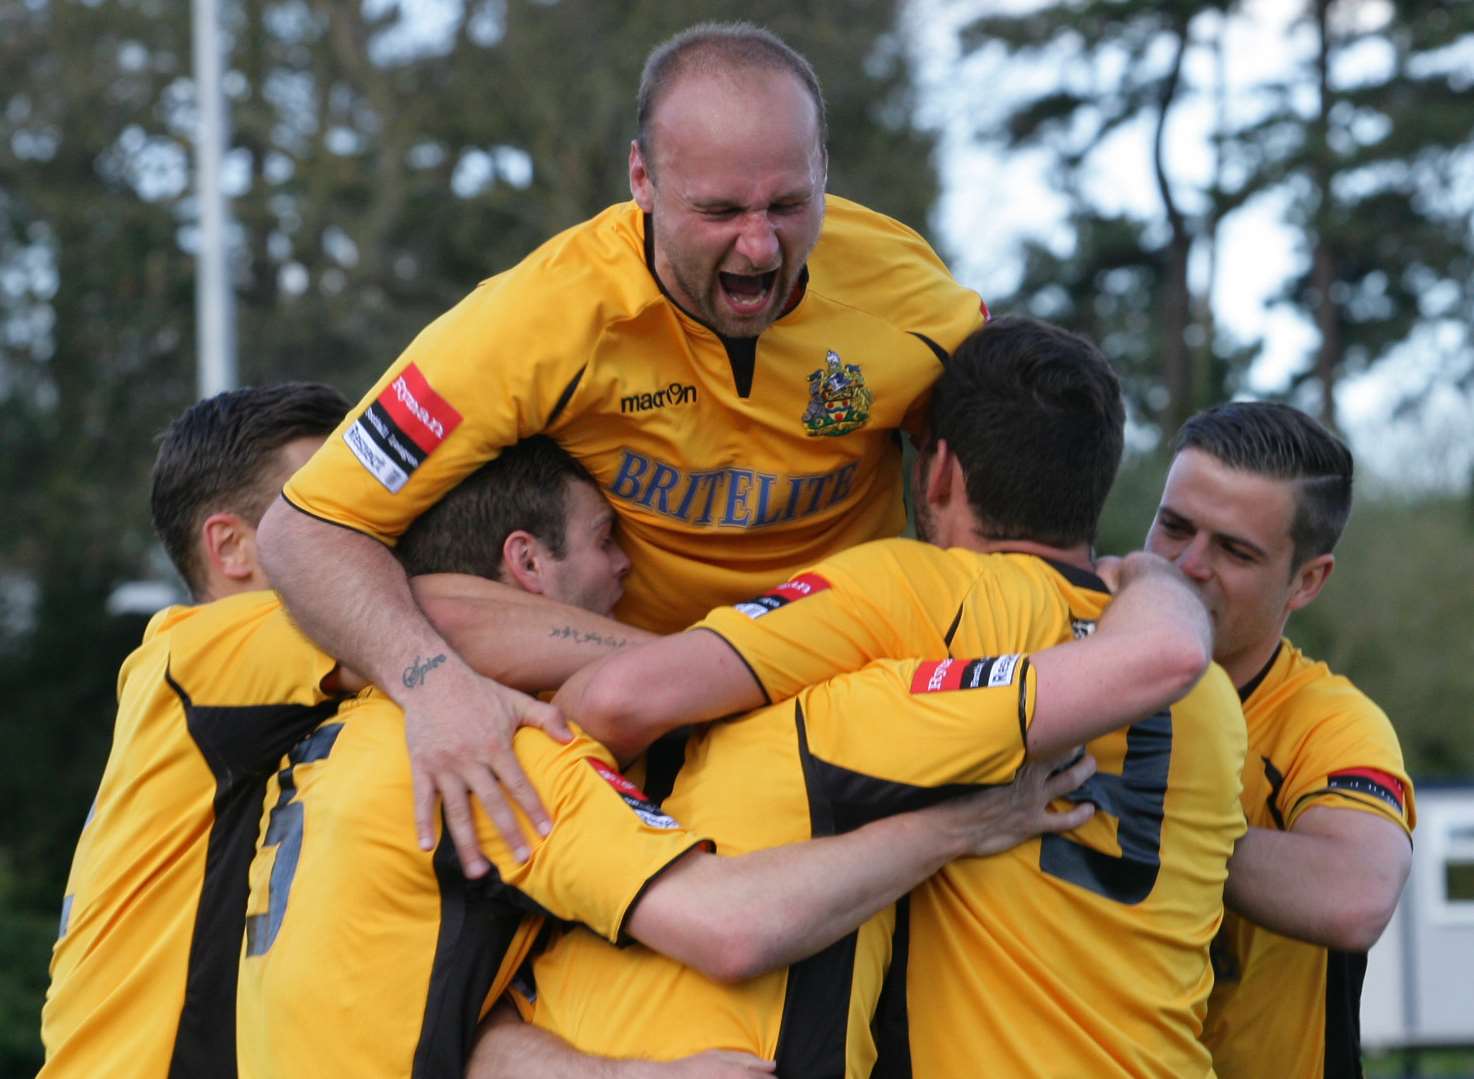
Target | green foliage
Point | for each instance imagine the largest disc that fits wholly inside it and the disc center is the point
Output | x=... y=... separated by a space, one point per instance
x=1395 y=618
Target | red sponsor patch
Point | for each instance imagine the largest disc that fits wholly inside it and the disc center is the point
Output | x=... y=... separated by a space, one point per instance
x=421 y=413
x=1371 y=781
x=937 y=675
x=805 y=584
x=616 y=780
x=983 y=307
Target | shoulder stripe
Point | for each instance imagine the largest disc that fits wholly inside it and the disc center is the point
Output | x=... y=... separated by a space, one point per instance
x=937 y=350
x=565 y=396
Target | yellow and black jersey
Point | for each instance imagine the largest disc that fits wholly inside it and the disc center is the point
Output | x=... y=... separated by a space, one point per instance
x=1279 y=1004
x=898 y=735
x=1078 y=955
x=731 y=463
x=365 y=955
x=143 y=972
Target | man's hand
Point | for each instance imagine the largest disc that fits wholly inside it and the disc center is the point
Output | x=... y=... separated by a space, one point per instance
x=459 y=726
x=997 y=820
x=712 y=1064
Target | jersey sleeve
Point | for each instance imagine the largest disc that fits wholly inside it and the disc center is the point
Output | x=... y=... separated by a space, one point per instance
x=887 y=268
x=858 y=606
x=608 y=842
x=888 y=738
x=492 y=370
x=1348 y=758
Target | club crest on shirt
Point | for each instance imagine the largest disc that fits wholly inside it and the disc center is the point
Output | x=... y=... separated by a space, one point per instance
x=839 y=400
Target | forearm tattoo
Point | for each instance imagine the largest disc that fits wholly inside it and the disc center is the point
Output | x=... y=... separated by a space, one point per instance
x=415 y=674
x=579 y=636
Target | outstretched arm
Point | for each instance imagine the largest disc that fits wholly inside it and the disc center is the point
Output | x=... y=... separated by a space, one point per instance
x=1152 y=645
x=508 y=1048
x=349 y=594
x=734 y=918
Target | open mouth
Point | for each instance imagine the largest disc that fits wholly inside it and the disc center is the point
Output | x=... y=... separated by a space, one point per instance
x=747 y=293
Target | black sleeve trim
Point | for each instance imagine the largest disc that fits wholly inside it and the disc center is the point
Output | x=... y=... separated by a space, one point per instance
x=328 y=521
x=1023 y=704
x=937 y=350
x=767 y=697
x=565 y=396
x=623 y=939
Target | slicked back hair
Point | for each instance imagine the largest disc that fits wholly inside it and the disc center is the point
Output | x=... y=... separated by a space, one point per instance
x=1283 y=443
x=1034 y=414
x=525 y=488
x=710 y=47
x=220 y=456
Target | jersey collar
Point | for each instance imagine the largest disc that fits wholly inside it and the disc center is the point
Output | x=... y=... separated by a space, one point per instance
x=800 y=287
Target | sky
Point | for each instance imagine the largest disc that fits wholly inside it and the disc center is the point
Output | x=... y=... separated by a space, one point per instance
x=992 y=201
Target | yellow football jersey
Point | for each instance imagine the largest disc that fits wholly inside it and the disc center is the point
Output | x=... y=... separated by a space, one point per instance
x=731 y=463
x=896 y=736
x=1314 y=740
x=365 y=955
x=143 y=972
x=1079 y=955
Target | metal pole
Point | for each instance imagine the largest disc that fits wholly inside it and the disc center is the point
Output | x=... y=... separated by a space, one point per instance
x=214 y=296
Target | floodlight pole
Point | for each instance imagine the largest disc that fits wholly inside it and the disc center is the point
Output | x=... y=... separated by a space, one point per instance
x=214 y=296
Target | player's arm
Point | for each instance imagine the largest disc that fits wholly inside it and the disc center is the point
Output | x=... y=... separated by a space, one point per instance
x=349 y=594
x=629 y=700
x=734 y=918
x=526 y=641
x=1333 y=879
x=1149 y=649
x=508 y=1048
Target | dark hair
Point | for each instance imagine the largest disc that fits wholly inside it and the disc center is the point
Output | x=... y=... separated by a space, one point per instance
x=719 y=46
x=524 y=488
x=1034 y=415
x=220 y=456
x=1284 y=443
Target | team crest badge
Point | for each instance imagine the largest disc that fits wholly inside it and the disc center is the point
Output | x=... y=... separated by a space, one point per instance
x=839 y=401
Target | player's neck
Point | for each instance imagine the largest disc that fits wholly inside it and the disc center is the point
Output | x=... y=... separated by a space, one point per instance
x=1077 y=556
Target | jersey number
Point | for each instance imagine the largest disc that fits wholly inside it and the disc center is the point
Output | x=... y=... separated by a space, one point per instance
x=284 y=832
x=1135 y=798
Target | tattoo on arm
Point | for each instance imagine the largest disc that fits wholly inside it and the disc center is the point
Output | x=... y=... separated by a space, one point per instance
x=579 y=636
x=414 y=675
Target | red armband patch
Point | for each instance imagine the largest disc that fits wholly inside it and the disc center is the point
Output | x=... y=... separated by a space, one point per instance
x=1369 y=781
x=941 y=675
x=405 y=424
x=801 y=587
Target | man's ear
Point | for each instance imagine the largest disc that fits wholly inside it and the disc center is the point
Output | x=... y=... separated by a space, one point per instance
x=937 y=472
x=524 y=562
x=230 y=551
x=1309 y=580
x=642 y=185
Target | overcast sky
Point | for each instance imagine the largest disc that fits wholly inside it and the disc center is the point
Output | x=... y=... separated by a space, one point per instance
x=992 y=202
